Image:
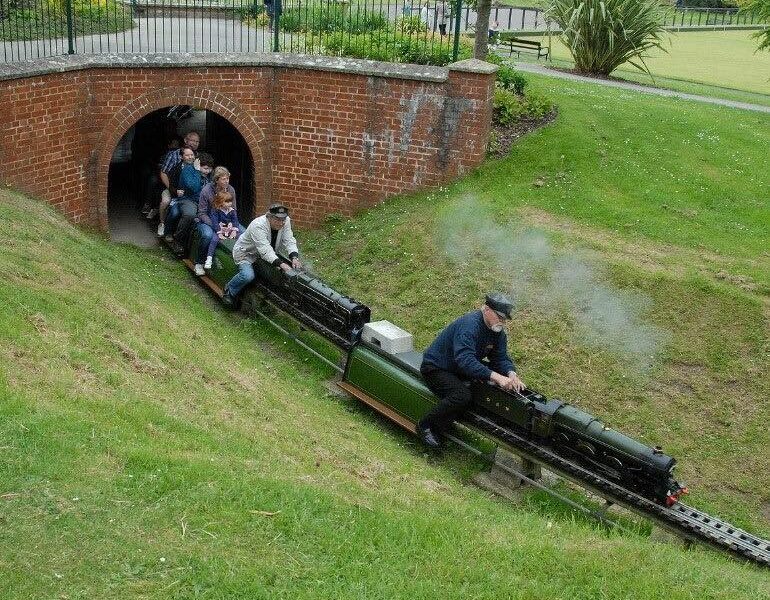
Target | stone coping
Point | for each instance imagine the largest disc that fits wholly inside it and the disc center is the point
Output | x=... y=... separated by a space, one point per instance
x=78 y=62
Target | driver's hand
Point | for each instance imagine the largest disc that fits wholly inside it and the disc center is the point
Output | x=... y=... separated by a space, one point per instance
x=516 y=383
x=296 y=263
x=284 y=267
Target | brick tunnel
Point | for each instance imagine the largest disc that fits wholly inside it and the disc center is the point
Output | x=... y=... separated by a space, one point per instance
x=324 y=135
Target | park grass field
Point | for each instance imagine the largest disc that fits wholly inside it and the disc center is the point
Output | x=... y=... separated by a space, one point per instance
x=666 y=202
x=723 y=59
x=157 y=447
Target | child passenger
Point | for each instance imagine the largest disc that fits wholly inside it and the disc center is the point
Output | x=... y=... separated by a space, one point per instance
x=224 y=221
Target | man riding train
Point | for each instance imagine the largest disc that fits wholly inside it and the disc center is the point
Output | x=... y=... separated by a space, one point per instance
x=456 y=355
x=264 y=238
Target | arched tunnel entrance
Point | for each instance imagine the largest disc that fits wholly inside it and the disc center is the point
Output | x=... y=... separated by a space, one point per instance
x=133 y=184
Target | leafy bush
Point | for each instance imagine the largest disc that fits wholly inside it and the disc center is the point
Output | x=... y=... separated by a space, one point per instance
x=372 y=46
x=327 y=18
x=604 y=34
x=762 y=9
x=388 y=46
x=510 y=79
x=507 y=107
x=323 y=18
x=360 y=21
x=537 y=106
x=411 y=24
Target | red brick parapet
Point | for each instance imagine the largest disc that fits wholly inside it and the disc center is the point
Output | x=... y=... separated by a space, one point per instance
x=326 y=135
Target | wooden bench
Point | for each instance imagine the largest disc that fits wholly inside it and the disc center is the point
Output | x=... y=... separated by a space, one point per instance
x=519 y=45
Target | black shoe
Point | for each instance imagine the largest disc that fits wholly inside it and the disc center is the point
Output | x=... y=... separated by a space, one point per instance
x=228 y=300
x=427 y=437
x=179 y=250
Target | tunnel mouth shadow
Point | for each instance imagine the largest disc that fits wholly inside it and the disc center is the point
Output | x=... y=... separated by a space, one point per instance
x=133 y=186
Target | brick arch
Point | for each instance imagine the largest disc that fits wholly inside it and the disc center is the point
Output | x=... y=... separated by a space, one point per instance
x=197 y=97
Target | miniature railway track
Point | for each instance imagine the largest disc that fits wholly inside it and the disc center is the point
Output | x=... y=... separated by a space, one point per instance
x=682 y=520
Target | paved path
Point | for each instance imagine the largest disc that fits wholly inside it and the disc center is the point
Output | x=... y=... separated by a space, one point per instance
x=645 y=89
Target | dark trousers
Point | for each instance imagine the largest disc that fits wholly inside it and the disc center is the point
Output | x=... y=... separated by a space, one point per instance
x=454 y=396
x=188 y=210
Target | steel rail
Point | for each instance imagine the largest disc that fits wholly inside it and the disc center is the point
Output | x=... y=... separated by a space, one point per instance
x=685 y=521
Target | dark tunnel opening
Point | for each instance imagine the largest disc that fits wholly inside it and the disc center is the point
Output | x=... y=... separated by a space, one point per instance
x=133 y=183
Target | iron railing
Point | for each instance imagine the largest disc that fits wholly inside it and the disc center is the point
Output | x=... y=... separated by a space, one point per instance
x=415 y=31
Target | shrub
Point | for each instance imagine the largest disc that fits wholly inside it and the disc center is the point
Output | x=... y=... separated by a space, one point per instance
x=604 y=34
x=511 y=79
x=536 y=105
x=411 y=24
x=323 y=18
x=360 y=21
x=507 y=107
x=762 y=9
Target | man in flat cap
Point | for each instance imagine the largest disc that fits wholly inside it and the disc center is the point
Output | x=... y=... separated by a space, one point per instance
x=456 y=355
x=263 y=239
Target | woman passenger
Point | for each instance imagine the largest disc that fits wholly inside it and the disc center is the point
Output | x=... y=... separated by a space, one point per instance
x=220 y=182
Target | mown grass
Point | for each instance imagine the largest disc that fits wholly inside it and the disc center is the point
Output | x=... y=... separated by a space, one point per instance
x=634 y=232
x=727 y=60
x=156 y=447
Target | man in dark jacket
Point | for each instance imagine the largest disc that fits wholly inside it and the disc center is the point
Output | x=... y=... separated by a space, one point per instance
x=456 y=355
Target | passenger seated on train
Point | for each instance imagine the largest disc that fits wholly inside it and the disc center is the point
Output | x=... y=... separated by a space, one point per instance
x=220 y=182
x=179 y=192
x=191 y=140
x=263 y=239
x=191 y=182
x=224 y=221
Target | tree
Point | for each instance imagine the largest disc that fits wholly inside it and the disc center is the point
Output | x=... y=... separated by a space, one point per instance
x=481 y=45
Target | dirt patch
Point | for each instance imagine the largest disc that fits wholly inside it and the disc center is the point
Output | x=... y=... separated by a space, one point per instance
x=503 y=136
x=137 y=364
x=742 y=281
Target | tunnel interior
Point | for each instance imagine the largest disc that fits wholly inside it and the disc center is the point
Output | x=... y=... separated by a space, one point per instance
x=133 y=183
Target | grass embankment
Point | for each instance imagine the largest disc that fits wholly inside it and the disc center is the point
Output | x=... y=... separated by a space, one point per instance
x=632 y=227
x=723 y=64
x=156 y=447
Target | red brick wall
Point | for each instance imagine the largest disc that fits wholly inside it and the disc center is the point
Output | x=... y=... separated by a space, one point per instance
x=322 y=142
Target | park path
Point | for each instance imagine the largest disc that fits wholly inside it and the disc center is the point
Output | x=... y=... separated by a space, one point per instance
x=637 y=87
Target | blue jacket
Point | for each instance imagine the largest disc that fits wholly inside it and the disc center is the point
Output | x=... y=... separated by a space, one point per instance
x=191 y=181
x=219 y=216
x=462 y=345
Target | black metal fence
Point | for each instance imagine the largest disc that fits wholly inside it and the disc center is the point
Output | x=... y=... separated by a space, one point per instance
x=395 y=30
x=710 y=17
x=414 y=31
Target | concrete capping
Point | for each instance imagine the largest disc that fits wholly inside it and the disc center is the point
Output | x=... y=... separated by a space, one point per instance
x=279 y=60
x=474 y=65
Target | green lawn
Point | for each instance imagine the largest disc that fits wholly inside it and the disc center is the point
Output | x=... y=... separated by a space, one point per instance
x=154 y=446
x=725 y=59
x=633 y=227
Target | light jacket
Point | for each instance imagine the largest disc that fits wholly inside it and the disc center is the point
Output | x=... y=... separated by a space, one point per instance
x=254 y=243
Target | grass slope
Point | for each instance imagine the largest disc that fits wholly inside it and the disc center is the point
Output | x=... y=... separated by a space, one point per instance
x=155 y=447
x=633 y=227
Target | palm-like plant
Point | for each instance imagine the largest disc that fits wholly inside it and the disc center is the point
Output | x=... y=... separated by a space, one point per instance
x=762 y=10
x=604 y=34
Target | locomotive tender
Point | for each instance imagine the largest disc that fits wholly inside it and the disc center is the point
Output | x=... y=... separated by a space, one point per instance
x=382 y=369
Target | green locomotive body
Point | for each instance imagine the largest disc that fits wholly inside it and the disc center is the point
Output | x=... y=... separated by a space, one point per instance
x=393 y=380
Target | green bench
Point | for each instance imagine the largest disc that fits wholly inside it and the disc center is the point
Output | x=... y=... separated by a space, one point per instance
x=519 y=45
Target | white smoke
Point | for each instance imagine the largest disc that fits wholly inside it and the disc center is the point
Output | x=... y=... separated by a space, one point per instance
x=550 y=281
